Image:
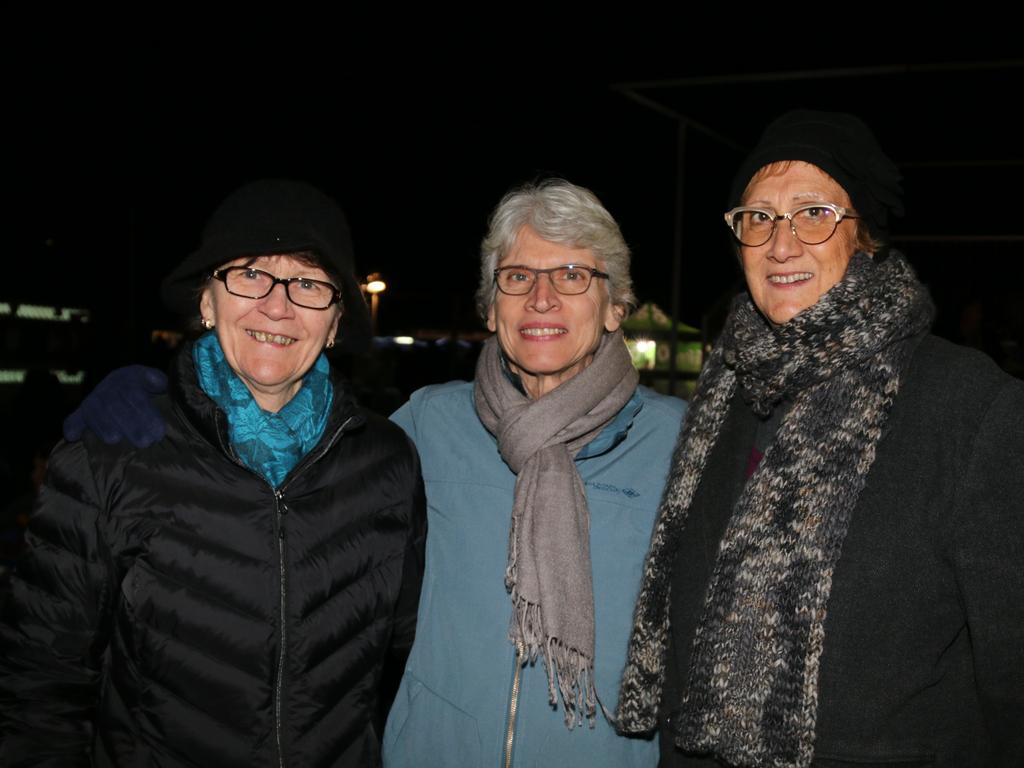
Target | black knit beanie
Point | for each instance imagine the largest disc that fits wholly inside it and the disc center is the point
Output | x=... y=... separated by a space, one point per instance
x=842 y=146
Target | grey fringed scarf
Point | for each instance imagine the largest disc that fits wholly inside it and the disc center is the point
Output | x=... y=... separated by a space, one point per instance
x=548 y=573
x=751 y=694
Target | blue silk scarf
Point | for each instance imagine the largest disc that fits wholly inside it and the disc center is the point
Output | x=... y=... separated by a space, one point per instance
x=270 y=444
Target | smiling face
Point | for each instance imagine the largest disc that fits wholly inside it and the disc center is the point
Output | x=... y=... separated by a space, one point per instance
x=785 y=276
x=549 y=337
x=270 y=342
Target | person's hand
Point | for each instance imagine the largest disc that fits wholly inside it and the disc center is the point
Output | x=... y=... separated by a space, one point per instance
x=121 y=407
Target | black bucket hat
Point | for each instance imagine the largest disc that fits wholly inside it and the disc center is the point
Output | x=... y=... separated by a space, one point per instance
x=273 y=216
x=842 y=146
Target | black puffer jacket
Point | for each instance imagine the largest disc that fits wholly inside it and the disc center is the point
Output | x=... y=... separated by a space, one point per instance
x=176 y=611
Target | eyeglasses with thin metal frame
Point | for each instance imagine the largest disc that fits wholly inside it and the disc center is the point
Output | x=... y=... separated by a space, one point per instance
x=250 y=283
x=568 y=279
x=811 y=224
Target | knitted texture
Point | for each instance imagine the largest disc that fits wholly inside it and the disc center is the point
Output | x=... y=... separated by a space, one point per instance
x=751 y=692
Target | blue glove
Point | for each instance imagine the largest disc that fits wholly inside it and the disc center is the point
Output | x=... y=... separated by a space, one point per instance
x=121 y=407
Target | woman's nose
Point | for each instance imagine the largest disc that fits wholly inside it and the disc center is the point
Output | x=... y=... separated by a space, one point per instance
x=276 y=304
x=784 y=243
x=544 y=296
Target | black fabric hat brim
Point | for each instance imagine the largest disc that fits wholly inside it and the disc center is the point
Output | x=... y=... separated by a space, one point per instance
x=179 y=290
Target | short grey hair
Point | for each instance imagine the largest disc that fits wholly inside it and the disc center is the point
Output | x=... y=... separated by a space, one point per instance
x=559 y=212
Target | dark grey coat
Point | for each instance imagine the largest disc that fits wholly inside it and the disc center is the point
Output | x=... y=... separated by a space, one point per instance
x=923 y=660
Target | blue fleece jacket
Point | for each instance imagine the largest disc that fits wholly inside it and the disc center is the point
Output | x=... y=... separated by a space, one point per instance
x=452 y=708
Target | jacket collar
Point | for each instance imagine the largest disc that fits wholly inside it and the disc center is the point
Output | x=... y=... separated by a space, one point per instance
x=615 y=430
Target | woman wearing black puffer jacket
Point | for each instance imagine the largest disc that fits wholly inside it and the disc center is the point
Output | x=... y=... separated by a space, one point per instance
x=227 y=596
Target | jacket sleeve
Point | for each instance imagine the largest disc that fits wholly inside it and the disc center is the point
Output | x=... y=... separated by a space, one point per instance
x=56 y=623
x=991 y=573
x=412 y=569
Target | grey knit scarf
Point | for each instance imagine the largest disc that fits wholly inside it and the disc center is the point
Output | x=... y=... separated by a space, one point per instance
x=548 y=573
x=751 y=693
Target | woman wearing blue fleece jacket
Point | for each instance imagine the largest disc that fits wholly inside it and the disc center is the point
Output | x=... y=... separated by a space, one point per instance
x=543 y=477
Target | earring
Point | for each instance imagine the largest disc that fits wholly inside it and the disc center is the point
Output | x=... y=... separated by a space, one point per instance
x=330 y=343
x=207 y=324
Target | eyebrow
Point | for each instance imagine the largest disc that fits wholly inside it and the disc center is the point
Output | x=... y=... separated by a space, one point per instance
x=251 y=264
x=557 y=266
x=799 y=197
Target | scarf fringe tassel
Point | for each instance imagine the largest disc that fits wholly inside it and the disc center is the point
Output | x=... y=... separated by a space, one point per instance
x=568 y=670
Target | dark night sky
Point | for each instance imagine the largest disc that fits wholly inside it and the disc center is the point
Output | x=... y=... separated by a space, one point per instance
x=114 y=178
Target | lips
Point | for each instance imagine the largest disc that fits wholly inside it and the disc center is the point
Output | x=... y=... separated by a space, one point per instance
x=538 y=332
x=790 y=278
x=270 y=338
x=542 y=331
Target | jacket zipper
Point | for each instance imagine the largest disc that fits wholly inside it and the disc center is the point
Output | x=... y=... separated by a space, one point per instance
x=280 y=508
x=283 y=633
x=513 y=704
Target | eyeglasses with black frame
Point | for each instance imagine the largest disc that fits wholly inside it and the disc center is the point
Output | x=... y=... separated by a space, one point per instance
x=568 y=279
x=250 y=283
x=811 y=224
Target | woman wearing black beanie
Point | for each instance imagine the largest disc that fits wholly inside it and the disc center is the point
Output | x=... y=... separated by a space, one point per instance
x=835 y=575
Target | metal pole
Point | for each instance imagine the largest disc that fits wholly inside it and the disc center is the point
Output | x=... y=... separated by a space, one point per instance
x=677 y=253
